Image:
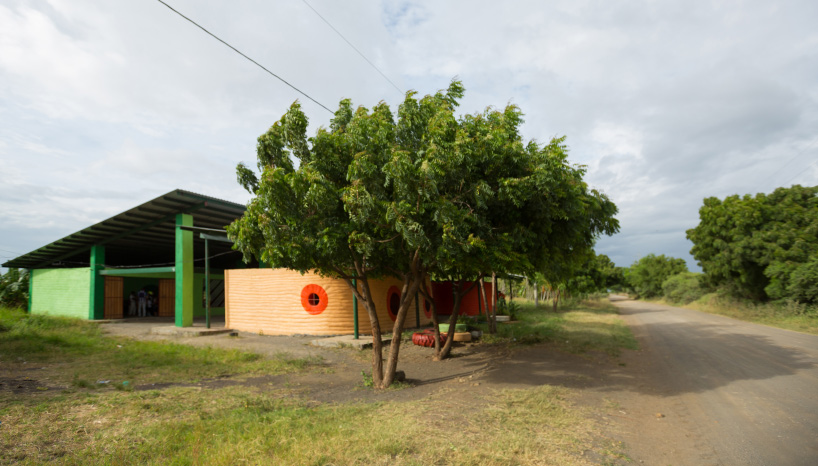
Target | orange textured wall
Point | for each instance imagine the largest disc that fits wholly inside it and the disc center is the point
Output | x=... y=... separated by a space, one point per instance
x=269 y=301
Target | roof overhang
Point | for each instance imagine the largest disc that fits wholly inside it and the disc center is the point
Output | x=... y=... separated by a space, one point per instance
x=147 y=230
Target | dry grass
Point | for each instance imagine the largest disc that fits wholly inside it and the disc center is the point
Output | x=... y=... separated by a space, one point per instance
x=790 y=316
x=579 y=326
x=238 y=425
x=271 y=424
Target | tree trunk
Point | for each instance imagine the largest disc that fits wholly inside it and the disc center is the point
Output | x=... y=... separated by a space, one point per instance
x=482 y=291
x=536 y=295
x=435 y=318
x=447 y=347
x=458 y=300
x=493 y=318
x=410 y=287
x=556 y=299
x=364 y=295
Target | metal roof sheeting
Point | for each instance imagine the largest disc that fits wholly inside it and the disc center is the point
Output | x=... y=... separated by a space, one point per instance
x=137 y=236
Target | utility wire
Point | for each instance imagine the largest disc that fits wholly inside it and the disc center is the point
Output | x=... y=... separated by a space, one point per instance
x=791 y=161
x=800 y=173
x=353 y=47
x=245 y=56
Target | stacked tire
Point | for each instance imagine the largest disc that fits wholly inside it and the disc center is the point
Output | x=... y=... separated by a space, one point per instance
x=427 y=338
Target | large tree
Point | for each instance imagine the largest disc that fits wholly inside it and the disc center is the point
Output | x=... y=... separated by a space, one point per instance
x=762 y=246
x=507 y=206
x=647 y=274
x=428 y=194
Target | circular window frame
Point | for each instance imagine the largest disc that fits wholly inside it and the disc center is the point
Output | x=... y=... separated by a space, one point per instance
x=323 y=299
x=393 y=290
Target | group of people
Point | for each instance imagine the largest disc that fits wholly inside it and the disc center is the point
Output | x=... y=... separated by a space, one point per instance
x=142 y=304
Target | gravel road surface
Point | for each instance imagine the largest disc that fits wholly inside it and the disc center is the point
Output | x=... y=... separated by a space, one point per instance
x=724 y=392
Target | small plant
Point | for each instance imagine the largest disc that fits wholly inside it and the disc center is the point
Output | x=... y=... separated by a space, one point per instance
x=82 y=383
x=512 y=309
x=367 y=380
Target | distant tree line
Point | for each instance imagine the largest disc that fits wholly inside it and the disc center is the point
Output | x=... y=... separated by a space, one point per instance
x=761 y=249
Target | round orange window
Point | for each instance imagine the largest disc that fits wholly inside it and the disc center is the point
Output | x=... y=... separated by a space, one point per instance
x=393 y=302
x=314 y=299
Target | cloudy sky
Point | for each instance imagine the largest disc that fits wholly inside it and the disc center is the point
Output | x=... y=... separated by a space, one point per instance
x=105 y=105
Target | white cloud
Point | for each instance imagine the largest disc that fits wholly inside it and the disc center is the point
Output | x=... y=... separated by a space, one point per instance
x=107 y=104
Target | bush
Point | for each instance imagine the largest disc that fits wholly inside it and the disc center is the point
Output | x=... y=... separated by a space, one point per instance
x=647 y=274
x=683 y=287
x=804 y=282
x=14 y=288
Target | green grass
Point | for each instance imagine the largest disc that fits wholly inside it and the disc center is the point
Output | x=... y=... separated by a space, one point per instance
x=579 y=326
x=239 y=425
x=181 y=425
x=76 y=352
x=787 y=315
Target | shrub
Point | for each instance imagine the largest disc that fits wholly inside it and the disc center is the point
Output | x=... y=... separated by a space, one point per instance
x=683 y=287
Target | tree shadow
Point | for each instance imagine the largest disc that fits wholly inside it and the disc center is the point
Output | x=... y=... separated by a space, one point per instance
x=677 y=358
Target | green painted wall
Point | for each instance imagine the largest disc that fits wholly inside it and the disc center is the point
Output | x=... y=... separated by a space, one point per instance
x=61 y=292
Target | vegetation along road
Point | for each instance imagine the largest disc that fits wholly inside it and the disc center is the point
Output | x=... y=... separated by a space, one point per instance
x=721 y=391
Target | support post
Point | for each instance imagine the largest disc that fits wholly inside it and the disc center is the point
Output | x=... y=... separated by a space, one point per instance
x=30 y=288
x=355 y=308
x=480 y=301
x=417 y=309
x=96 y=305
x=184 y=272
x=207 y=285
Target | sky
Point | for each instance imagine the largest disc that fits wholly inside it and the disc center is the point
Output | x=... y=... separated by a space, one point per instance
x=106 y=105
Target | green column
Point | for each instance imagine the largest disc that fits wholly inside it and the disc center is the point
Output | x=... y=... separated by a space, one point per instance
x=30 y=288
x=96 y=305
x=184 y=272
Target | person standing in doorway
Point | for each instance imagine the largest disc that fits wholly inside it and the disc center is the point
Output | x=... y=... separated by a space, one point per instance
x=150 y=303
x=132 y=304
x=143 y=302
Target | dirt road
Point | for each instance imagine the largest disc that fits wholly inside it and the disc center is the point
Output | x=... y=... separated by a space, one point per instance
x=707 y=389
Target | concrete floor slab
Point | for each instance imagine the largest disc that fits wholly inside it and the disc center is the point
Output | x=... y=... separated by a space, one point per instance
x=364 y=341
x=195 y=331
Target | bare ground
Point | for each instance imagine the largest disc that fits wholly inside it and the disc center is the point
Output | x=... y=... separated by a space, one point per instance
x=702 y=390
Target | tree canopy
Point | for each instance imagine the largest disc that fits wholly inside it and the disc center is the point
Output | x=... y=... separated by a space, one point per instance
x=647 y=274
x=427 y=194
x=763 y=246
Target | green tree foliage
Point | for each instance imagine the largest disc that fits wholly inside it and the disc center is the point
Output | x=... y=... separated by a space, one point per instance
x=595 y=274
x=14 y=288
x=428 y=194
x=683 y=287
x=760 y=247
x=647 y=274
x=803 y=285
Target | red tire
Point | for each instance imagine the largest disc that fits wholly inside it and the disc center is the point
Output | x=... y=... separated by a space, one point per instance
x=427 y=338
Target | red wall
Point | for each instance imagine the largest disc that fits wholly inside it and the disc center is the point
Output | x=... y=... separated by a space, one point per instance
x=442 y=292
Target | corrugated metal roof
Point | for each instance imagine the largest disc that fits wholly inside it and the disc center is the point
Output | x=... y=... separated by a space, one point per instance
x=137 y=236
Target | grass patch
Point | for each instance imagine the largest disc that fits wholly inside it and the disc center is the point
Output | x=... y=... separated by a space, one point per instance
x=238 y=425
x=76 y=352
x=578 y=326
x=787 y=315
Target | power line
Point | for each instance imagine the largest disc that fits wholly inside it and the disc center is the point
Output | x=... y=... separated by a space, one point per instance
x=792 y=160
x=800 y=173
x=245 y=56
x=353 y=47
